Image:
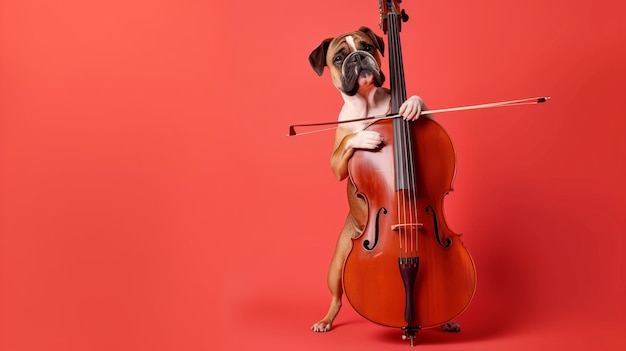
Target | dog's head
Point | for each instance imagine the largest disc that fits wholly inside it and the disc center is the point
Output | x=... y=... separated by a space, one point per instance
x=352 y=59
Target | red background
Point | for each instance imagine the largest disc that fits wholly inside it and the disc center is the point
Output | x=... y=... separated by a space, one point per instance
x=150 y=200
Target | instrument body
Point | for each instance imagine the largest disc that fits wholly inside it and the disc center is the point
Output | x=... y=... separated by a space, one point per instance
x=407 y=269
x=446 y=278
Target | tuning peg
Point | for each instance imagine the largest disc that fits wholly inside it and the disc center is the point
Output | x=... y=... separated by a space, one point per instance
x=404 y=16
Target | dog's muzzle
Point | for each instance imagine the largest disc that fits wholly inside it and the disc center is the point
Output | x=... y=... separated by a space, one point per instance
x=357 y=63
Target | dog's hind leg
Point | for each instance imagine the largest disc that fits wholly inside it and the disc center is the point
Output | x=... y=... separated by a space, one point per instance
x=335 y=271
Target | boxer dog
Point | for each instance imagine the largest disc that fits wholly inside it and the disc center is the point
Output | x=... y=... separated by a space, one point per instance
x=353 y=60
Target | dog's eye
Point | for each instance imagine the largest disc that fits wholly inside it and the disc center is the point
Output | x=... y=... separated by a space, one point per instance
x=338 y=59
x=368 y=47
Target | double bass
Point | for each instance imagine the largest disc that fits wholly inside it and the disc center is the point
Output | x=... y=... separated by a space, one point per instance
x=407 y=269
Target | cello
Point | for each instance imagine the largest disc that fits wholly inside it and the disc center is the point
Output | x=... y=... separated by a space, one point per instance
x=407 y=269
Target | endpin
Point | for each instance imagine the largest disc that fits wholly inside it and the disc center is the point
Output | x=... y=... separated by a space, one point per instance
x=411 y=338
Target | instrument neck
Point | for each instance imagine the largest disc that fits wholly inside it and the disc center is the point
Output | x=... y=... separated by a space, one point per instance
x=396 y=66
x=403 y=158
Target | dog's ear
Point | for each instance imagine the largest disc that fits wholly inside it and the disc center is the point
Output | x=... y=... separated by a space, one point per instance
x=378 y=41
x=317 y=59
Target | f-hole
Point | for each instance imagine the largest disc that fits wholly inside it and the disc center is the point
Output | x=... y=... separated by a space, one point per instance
x=366 y=243
x=429 y=209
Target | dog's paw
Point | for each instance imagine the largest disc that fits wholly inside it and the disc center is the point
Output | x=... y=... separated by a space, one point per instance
x=321 y=327
x=452 y=327
x=411 y=108
x=366 y=139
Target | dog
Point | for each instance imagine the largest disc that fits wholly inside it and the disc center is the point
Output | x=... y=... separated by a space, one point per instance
x=353 y=60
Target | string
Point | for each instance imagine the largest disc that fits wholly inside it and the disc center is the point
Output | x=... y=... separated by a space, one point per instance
x=409 y=162
x=405 y=187
x=399 y=137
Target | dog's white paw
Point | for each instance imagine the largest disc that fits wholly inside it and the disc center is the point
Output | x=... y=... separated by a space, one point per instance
x=366 y=139
x=321 y=327
x=411 y=108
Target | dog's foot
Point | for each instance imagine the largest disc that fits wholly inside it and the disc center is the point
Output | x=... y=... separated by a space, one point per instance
x=321 y=326
x=326 y=323
x=452 y=327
